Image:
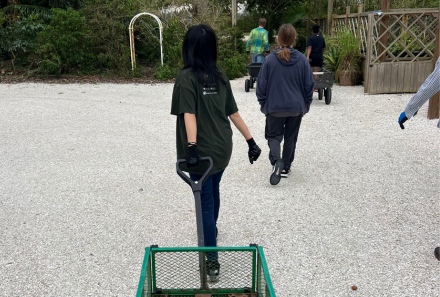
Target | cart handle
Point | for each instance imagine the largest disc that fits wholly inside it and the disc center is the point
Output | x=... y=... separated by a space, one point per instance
x=195 y=185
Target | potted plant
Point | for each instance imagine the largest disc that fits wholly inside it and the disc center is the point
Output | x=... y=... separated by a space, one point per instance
x=349 y=58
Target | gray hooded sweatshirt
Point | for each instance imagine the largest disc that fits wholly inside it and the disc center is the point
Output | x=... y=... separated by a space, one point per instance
x=285 y=86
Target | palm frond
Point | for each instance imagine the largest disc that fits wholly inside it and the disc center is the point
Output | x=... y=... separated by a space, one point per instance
x=27 y=10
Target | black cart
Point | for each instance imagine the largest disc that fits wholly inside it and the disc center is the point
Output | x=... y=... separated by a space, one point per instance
x=253 y=69
x=324 y=83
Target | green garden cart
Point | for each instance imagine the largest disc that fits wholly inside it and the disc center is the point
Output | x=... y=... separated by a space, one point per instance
x=182 y=271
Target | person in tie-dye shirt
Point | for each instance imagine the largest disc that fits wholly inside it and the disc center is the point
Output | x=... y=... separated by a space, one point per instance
x=258 y=42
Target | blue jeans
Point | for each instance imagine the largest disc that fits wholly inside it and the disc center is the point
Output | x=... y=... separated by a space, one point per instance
x=257 y=58
x=210 y=209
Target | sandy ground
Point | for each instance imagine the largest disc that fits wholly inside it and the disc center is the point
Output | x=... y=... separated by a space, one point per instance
x=87 y=181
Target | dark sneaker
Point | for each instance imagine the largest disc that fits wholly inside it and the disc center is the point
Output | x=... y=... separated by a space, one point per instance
x=285 y=172
x=276 y=173
x=437 y=253
x=213 y=270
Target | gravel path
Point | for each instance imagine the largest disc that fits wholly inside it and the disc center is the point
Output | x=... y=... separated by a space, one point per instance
x=87 y=181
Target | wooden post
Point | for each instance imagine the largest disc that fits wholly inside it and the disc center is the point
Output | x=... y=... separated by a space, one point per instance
x=333 y=26
x=329 y=16
x=383 y=28
x=234 y=12
x=360 y=9
x=347 y=12
x=434 y=102
x=369 y=52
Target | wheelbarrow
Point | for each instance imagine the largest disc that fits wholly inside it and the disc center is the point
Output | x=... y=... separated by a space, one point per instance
x=182 y=271
x=323 y=82
x=253 y=69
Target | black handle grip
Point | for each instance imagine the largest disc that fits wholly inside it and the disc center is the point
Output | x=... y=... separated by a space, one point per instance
x=195 y=185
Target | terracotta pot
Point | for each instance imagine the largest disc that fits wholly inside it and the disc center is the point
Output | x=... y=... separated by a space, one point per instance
x=345 y=79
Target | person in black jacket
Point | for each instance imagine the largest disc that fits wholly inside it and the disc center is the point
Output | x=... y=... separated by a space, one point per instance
x=284 y=91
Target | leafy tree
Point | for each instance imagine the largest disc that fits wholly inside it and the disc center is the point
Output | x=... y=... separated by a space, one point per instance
x=272 y=10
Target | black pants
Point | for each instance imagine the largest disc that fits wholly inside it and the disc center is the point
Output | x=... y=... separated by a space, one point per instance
x=276 y=130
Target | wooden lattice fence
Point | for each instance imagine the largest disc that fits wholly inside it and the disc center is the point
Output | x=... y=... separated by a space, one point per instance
x=398 y=47
x=358 y=25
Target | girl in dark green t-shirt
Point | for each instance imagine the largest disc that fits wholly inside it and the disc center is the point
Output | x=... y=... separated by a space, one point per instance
x=203 y=103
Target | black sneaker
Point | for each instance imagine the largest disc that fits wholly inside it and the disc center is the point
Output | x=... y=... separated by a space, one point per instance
x=213 y=270
x=285 y=173
x=437 y=253
x=276 y=173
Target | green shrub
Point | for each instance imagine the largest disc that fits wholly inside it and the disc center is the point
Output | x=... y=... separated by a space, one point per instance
x=234 y=66
x=332 y=59
x=51 y=67
x=66 y=42
x=165 y=72
x=18 y=37
x=232 y=52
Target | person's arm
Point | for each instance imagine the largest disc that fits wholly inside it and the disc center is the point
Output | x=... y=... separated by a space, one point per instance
x=249 y=42
x=262 y=83
x=429 y=88
x=191 y=126
x=323 y=49
x=254 y=150
x=241 y=126
x=309 y=50
x=309 y=83
x=192 y=157
x=266 y=41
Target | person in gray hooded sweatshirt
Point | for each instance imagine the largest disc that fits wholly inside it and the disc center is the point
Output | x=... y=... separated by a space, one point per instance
x=285 y=92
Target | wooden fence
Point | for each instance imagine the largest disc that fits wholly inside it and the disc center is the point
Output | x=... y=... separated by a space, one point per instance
x=397 y=47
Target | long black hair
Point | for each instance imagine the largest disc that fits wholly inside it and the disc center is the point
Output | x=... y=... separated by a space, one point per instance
x=199 y=52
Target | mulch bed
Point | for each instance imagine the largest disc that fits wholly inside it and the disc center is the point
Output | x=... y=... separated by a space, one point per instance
x=83 y=79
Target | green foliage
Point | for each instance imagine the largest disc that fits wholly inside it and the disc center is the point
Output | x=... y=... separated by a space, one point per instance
x=18 y=37
x=232 y=52
x=234 y=66
x=332 y=59
x=108 y=21
x=248 y=21
x=165 y=72
x=273 y=11
x=65 y=42
x=343 y=54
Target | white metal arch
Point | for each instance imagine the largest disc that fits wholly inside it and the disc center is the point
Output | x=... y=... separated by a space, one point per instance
x=130 y=28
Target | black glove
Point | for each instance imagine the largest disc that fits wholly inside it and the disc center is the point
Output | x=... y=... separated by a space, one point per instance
x=248 y=52
x=254 y=150
x=192 y=158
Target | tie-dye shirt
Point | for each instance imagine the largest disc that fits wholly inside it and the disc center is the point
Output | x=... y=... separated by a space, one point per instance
x=258 y=41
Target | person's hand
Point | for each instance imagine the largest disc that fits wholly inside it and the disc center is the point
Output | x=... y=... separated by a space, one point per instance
x=192 y=158
x=402 y=119
x=248 y=52
x=254 y=150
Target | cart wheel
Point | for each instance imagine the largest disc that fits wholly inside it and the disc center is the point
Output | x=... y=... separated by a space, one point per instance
x=328 y=95
x=246 y=85
x=320 y=93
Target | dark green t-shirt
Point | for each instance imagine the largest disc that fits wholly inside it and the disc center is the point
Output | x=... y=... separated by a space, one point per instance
x=212 y=108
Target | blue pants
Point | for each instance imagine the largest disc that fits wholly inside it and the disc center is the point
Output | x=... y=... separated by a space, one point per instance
x=257 y=58
x=210 y=208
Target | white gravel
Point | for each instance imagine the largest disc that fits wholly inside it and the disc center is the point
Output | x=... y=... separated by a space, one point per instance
x=87 y=181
